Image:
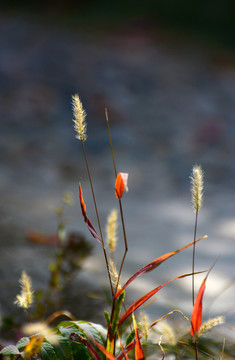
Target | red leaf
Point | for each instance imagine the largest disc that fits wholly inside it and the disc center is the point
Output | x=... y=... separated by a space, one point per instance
x=126 y=350
x=87 y=221
x=196 y=318
x=110 y=356
x=92 y=351
x=121 y=184
x=155 y=263
x=139 y=354
x=144 y=298
x=104 y=351
x=123 y=351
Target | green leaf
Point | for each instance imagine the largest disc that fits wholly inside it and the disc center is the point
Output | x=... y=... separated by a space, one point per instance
x=130 y=337
x=66 y=331
x=88 y=330
x=62 y=349
x=107 y=317
x=10 y=350
x=80 y=352
x=47 y=352
x=117 y=312
x=65 y=323
x=92 y=331
x=22 y=343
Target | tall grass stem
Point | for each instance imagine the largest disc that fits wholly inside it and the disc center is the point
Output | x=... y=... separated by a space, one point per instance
x=98 y=218
x=120 y=202
x=194 y=255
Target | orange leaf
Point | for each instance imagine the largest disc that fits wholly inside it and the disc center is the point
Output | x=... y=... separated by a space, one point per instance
x=87 y=221
x=82 y=203
x=144 y=298
x=121 y=184
x=196 y=319
x=110 y=356
x=126 y=350
x=139 y=354
x=34 y=346
x=155 y=263
x=103 y=350
x=123 y=351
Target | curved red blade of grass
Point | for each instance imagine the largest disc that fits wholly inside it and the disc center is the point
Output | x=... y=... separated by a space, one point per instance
x=110 y=356
x=120 y=184
x=104 y=351
x=139 y=354
x=144 y=298
x=87 y=221
x=123 y=351
x=126 y=350
x=154 y=264
x=196 y=318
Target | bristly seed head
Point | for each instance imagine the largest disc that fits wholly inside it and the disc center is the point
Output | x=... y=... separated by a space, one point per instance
x=197 y=187
x=25 y=299
x=168 y=334
x=207 y=326
x=79 y=118
x=111 y=230
x=114 y=274
x=144 y=324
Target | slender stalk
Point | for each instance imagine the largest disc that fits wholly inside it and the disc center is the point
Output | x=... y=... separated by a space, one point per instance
x=197 y=193
x=194 y=253
x=193 y=270
x=110 y=141
x=126 y=246
x=98 y=218
x=196 y=350
x=28 y=315
x=120 y=202
x=123 y=229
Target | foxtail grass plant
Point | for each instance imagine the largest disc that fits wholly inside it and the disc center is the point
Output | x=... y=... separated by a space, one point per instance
x=125 y=336
x=197 y=193
x=80 y=129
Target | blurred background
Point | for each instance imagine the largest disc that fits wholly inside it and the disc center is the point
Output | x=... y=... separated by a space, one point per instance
x=165 y=70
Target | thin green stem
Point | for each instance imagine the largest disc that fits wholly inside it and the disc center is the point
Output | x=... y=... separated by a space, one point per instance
x=98 y=218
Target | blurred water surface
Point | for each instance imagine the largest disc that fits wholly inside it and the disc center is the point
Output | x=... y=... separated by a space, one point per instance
x=170 y=104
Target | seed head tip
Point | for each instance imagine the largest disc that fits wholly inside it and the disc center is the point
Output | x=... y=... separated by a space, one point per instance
x=79 y=115
x=197 y=187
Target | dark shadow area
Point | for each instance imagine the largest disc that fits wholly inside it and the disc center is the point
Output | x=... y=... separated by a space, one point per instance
x=207 y=21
